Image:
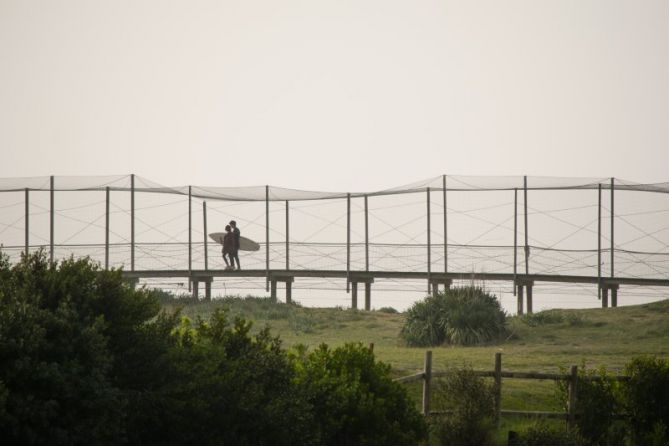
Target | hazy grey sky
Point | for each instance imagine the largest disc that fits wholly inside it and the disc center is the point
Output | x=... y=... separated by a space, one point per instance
x=334 y=95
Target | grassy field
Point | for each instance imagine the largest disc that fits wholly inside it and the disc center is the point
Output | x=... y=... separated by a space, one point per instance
x=549 y=341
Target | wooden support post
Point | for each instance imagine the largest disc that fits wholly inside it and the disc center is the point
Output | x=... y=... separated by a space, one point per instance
x=613 y=269
x=267 y=240
x=445 y=226
x=498 y=387
x=348 y=242
x=26 y=250
x=107 y=196
x=515 y=238
x=366 y=235
x=196 y=286
x=190 y=228
x=206 y=246
x=599 y=241
x=207 y=289
x=429 y=242
x=427 y=382
x=132 y=222
x=614 y=296
x=605 y=297
x=287 y=237
x=289 y=291
x=572 y=391
x=520 y=300
x=529 y=298
x=435 y=288
x=273 y=289
x=354 y=295
x=527 y=245
x=371 y=347
x=51 y=216
x=368 y=296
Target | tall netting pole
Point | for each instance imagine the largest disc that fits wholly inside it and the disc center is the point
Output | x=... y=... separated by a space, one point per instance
x=515 y=238
x=287 y=235
x=267 y=238
x=190 y=228
x=206 y=246
x=27 y=221
x=527 y=246
x=445 y=226
x=132 y=222
x=599 y=241
x=429 y=241
x=107 y=193
x=612 y=232
x=51 y=216
x=348 y=241
x=366 y=235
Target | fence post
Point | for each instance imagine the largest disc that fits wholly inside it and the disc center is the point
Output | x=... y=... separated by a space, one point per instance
x=206 y=247
x=427 y=382
x=27 y=222
x=498 y=387
x=51 y=216
x=107 y=192
x=573 y=380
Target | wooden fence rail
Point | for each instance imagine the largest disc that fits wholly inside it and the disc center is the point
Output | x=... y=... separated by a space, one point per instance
x=427 y=375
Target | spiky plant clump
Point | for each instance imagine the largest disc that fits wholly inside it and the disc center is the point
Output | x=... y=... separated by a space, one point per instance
x=460 y=316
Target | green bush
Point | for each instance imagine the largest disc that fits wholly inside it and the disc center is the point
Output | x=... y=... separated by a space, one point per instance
x=389 y=310
x=544 y=435
x=461 y=316
x=354 y=399
x=597 y=406
x=468 y=401
x=547 y=317
x=646 y=398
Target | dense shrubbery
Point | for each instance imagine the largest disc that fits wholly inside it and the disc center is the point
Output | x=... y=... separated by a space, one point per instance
x=468 y=399
x=644 y=399
x=543 y=435
x=462 y=316
x=85 y=359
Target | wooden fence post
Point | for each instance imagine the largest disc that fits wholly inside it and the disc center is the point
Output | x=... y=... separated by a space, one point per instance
x=427 y=382
x=571 y=409
x=498 y=387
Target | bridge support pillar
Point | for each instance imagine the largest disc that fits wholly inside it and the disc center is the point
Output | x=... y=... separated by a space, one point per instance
x=613 y=287
x=195 y=282
x=288 y=280
x=521 y=284
x=368 y=281
x=435 y=282
x=132 y=282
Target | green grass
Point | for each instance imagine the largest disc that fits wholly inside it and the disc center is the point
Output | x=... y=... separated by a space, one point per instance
x=549 y=341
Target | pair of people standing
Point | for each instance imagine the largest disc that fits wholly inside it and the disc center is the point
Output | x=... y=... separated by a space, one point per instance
x=231 y=246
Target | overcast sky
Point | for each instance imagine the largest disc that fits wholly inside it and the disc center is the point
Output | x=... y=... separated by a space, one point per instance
x=334 y=95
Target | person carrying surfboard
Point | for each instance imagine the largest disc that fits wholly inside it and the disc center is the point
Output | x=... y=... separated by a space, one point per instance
x=228 y=247
x=235 y=252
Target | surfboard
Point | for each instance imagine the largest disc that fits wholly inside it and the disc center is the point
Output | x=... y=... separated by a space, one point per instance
x=245 y=244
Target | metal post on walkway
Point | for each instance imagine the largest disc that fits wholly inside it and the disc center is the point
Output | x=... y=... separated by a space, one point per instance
x=27 y=222
x=51 y=215
x=132 y=222
x=267 y=238
x=107 y=196
x=366 y=235
x=190 y=228
x=348 y=241
x=206 y=246
x=515 y=238
x=599 y=241
x=612 y=231
x=527 y=246
x=445 y=226
x=287 y=236
x=429 y=242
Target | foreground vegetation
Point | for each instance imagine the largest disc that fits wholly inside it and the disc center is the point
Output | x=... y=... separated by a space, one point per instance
x=85 y=359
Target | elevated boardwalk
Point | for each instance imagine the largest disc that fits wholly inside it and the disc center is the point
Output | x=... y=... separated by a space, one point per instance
x=522 y=282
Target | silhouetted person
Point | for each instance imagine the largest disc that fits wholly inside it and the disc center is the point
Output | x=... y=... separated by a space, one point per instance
x=228 y=247
x=235 y=252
